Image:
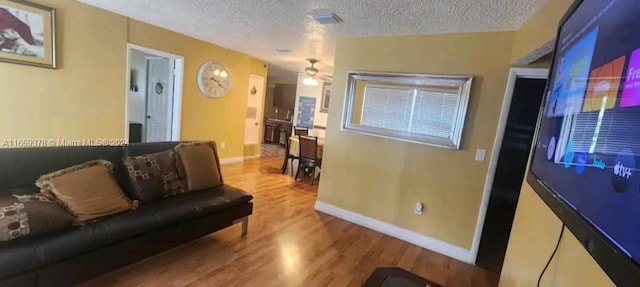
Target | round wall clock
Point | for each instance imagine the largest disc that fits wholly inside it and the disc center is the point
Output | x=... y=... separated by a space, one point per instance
x=213 y=79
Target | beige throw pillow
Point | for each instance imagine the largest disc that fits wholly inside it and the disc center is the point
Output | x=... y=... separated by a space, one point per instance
x=198 y=165
x=88 y=191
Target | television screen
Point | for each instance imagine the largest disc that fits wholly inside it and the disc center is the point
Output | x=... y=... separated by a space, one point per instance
x=587 y=151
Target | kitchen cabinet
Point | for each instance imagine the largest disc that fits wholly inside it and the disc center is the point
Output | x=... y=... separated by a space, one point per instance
x=272 y=129
x=284 y=96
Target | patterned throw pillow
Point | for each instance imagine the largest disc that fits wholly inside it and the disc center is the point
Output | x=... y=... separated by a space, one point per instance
x=154 y=176
x=28 y=215
x=198 y=165
x=88 y=191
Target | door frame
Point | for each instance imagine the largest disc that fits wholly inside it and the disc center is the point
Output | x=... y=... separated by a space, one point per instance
x=177 y=88
x=514 y=74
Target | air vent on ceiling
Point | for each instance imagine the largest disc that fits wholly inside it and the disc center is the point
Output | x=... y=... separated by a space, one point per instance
x=283 y=50
x=325 y=17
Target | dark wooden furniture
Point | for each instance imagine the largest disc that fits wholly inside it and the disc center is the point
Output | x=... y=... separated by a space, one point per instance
x=284 y=96
x=287 y=153
x=308 y=156
x=272 y=128
x=396 y=277
x=298 y=131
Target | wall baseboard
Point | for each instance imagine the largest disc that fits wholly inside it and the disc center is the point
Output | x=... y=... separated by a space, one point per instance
x=231 y=160
x=252 y=157
x=397 y=232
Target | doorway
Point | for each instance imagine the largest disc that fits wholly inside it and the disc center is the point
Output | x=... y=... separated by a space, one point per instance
x=525 y=91
x=253 y=119
x=154 y=95
x=280 y=97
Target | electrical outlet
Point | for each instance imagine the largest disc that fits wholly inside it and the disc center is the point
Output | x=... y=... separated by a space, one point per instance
x=223 y=145
x=480 y=154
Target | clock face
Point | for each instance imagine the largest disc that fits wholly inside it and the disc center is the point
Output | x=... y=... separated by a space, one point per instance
x=213 y=79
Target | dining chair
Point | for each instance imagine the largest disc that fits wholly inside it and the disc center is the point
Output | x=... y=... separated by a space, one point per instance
x=308 y=156
x=298 y=131
x=287 y=151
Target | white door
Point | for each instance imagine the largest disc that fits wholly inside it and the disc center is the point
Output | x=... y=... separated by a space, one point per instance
x=254 y=110
x=159 y=99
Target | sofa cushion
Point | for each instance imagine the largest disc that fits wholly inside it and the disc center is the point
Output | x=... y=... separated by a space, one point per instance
x=88 y=191
x=197 y=203
x=21 y=167
x=198 y=165
x=29 y=215
x=154 y=176
x=23 y=255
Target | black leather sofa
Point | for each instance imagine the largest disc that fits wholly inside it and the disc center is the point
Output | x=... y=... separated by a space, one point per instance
x=73 y=255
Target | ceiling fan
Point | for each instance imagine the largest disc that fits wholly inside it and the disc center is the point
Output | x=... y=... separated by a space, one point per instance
x=312 y=72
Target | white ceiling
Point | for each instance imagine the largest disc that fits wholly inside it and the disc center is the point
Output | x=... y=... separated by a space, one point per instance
x=258 y=27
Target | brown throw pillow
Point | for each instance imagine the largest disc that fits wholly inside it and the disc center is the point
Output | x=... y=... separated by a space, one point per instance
x=28 y=215
x=154 y=176
x=198 y=165
x=88 y=191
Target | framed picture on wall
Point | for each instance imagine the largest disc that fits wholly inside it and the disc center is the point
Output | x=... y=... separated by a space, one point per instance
x=326 y=97
x=27 y=33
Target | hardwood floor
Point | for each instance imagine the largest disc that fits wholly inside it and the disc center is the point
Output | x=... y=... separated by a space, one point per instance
x=270 y=150
x=289 y=244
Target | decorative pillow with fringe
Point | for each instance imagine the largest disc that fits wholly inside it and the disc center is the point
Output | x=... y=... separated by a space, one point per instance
x=88 y=191
x=198 y=165
x=154 y=176
x=30 y=215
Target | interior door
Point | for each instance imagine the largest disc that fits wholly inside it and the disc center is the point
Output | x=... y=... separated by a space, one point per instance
x=159 y=99
x=254 y=110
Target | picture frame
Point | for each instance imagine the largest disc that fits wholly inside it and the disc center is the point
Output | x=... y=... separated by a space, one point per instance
x=326 y=97
x=27 y=34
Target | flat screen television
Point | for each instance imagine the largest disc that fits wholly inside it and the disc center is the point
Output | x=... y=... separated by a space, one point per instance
x=586 y=158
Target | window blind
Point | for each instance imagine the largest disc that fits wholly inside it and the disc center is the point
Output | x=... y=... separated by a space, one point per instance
x=608 y=135
x=434 y=114
x=410 y=110
x=387 y=108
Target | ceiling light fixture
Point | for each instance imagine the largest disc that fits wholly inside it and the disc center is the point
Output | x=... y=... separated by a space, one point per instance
x=310 y=79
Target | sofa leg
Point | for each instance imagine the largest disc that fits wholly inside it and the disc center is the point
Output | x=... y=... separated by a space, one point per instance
x=245 y=226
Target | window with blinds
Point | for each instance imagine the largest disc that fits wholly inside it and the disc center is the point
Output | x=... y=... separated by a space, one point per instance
x=605 y=133
x=417 y=108
x=410 y=110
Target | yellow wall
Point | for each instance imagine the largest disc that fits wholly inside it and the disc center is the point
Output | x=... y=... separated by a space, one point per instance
x=535 y=228
x=533 y=236
x=539 y=29
x=383 y=178
x=358 y=103
x=222 y=120
x=85 y=97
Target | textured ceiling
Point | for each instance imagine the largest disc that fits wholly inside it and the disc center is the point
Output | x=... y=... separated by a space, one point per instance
x=258 y=27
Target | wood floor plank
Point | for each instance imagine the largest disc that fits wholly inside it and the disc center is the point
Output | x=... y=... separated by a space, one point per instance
x=289 y=244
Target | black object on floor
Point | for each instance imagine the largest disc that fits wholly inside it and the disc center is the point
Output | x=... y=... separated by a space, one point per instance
x=396 y=277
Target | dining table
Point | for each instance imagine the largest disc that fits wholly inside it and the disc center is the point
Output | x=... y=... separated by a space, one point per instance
x=294 y=146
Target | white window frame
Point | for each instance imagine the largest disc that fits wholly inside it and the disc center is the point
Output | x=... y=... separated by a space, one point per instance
x=461 y=83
